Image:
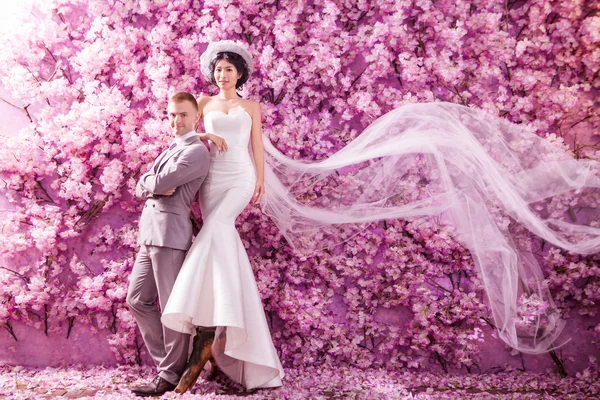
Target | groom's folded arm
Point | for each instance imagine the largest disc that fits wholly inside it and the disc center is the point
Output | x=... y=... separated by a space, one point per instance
x=141 y=191
x=190 y=165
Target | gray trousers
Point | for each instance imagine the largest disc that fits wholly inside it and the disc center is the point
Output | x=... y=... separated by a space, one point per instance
x=154 y=274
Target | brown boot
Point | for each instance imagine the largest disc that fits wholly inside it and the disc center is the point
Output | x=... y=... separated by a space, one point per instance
x=219 y=344
x=201 y=353
x=213 y=370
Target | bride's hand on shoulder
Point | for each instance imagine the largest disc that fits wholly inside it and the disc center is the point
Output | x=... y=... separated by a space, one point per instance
x=259 y=191
x=217 y=141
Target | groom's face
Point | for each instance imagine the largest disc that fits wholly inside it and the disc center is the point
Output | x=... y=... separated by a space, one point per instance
x=183 y=116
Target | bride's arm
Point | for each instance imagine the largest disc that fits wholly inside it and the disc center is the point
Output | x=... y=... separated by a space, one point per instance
x=258 y=152
x=218 y=141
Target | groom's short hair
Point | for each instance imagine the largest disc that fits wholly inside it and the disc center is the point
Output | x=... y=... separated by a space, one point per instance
x=184 y=96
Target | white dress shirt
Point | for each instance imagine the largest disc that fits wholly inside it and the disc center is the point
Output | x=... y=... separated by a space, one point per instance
x=180 y=139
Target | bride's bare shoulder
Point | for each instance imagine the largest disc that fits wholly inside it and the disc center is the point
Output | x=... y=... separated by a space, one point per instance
x=252 y=106
x=203 y=101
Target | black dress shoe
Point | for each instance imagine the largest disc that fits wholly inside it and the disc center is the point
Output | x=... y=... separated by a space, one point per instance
x=157 y=387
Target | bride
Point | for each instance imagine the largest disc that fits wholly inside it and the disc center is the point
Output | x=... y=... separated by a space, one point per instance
x=215 y=289
x=479 y=173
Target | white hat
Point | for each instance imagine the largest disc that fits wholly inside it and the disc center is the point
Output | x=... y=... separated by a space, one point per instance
x=223 y=45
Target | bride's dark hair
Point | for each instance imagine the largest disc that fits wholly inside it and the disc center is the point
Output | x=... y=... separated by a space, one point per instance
x=237 y=61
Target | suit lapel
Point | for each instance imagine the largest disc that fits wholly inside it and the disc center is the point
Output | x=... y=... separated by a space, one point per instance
x=159 y=160
x=167 y=154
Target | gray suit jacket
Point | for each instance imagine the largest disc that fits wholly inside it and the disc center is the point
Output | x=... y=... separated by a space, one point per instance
x=165 y=220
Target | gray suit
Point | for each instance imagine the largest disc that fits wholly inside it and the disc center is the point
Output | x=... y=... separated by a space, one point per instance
x=165 y=235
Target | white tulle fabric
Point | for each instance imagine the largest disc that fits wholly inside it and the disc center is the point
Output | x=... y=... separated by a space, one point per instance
x=462 y=165
x=216 y=285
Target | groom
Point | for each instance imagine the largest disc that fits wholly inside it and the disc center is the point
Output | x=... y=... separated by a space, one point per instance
x=165 y=235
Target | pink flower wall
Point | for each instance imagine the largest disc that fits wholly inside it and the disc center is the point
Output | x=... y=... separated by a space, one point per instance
x=91 y=79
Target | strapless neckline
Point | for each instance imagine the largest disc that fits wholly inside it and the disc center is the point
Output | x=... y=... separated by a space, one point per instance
x=234 y=111
x=235 y=127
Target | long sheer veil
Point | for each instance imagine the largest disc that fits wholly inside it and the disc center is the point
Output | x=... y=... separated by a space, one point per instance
x=474 y=171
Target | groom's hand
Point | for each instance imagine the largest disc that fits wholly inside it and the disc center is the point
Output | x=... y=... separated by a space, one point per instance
x=166 y=194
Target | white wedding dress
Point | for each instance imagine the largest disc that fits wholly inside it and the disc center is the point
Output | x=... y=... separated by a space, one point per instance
x=216 y=285
x=486 y=177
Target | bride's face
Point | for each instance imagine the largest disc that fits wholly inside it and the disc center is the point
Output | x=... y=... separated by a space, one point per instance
x=226 y=75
